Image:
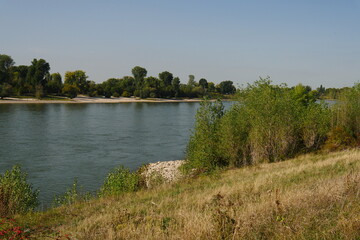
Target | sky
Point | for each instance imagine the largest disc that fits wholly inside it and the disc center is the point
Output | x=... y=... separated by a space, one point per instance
x=313 y=42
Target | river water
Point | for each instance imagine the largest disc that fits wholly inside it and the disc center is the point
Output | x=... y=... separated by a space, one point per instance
x=56 y=143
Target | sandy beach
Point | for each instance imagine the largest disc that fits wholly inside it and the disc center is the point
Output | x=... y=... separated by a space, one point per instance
x=86 y=99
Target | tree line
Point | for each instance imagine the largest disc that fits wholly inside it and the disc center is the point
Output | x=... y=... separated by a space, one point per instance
x=36 y=80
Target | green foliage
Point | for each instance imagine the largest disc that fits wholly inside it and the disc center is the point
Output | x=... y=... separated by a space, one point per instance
x=16 y=195
x=72 y=195
x=55 y=84
x=6 y=63
x=202 y=150
x=234 y=136
x=314 y=124
x=348 y=110
x=37 y=72
x=139 y=74
x=166 y=78
x=39 y=92
x=268 y=124
x=126 y=94
x=36 y=80
x=191 y=82
x=77 y=78
x=339 y=138
x=273 y=119
x=203 y=83
x=70 y=90
x=227 y=87
x=5 y=90
x=118 y=181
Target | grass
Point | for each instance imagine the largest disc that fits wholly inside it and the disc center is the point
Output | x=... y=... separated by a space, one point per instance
x=315 y=196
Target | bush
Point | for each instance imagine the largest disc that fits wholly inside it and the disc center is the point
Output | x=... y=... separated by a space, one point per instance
x=137 y=93
x=269 y=123
x=347 y=111
x=16 y=195
x=5 y=90
x=126 y=94
x=202 y=150
x=234 y=135
x=315 y=125
x=72 y=195
x=339 y=138
x=120 y=180
x=70 y=90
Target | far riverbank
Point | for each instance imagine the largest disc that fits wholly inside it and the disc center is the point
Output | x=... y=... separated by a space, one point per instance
x=85 y=99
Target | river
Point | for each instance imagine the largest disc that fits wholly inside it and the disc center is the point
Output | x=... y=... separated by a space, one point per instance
x=56 y=143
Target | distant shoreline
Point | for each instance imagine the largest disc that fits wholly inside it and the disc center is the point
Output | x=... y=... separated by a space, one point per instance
x=85 y=99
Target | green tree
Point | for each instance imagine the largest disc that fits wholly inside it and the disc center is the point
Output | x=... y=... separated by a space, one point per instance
x=191 y=81
x=211 y=87
x=203 y=83
x=55 y=84
x=166 y=78
x=303 y=95
x=139 y=74
x=176 y=86
x=20 y=80
x=5 y=90
x=77 y=78
x=227 y=87
x=321 y=90
x=70 y=90
x=37 y=72
x=6 y=63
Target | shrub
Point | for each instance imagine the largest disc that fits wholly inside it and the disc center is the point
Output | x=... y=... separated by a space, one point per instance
x=126 y=94
x=5 y=90
x=202 y=150
x=269 y=123
x=347 y=111
x=72 y=195
x=137 y=93
x=234 y=135
x=70 y=90
x=339 y=138
x=16 y=195
x=118 y=181
x=315 y=125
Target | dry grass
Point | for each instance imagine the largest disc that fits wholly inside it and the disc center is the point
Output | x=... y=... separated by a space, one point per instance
x=309 y=197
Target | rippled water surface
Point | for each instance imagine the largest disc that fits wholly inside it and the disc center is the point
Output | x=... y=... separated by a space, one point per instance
x=55 y=143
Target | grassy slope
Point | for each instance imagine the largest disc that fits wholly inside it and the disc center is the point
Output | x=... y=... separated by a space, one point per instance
x=310 y=197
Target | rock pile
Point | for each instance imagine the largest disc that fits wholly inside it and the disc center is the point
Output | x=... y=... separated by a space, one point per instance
x=167 y=171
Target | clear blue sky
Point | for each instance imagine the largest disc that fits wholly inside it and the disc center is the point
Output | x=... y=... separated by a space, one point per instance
x=306 y=41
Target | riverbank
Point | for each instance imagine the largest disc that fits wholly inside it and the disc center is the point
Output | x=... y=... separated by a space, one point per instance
x=85 y=99
x=314 y=196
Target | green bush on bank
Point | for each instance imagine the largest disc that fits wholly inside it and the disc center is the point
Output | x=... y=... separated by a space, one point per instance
x=268 y=123
x=120 y=180
x=16 y=195
x=345 y=122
